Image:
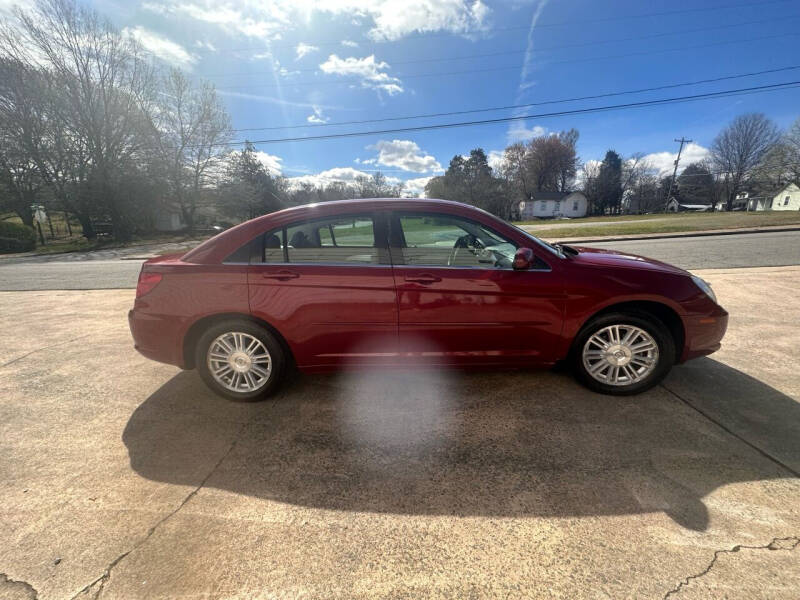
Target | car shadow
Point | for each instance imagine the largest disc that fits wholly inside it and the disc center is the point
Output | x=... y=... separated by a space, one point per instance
x=468 y=444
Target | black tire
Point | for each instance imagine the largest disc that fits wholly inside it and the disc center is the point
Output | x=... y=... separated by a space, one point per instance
x=649 y=323
x=273 y=346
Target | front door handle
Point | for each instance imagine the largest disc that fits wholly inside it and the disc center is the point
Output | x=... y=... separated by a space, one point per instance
x=425 y=279
x=281 y=275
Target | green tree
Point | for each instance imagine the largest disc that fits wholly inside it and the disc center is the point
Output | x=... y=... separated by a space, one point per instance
x=249 y=190
x=695 y=185
x=609 y=184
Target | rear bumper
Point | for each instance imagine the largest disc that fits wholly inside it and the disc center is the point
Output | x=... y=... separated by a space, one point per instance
x=157 y=337
x=704 y=334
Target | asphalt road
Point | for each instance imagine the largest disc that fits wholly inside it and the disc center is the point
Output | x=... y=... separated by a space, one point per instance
x=707 y=252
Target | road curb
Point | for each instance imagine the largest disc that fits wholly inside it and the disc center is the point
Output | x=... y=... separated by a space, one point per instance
x=666 y=236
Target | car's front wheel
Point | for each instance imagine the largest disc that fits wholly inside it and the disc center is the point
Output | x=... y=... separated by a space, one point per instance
x=240 y=360
x=623 y=353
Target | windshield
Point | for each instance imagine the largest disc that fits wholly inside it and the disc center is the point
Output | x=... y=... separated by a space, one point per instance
x=554 y=248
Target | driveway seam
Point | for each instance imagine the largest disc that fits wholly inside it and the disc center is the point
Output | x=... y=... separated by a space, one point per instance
x=771 y=546
x=762 y=452
x=104 y=578
x=19 y=358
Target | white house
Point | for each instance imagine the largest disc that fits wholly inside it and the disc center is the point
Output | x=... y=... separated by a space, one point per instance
x=787 y=199
x=544 y=205
x=744 y=201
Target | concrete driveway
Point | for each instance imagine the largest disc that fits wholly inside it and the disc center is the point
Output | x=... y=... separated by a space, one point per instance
x=123 y=478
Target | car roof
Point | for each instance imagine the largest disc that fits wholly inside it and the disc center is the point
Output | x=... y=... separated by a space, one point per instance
x=215 y=249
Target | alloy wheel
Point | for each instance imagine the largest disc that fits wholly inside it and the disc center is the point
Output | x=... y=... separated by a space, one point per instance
x=620 y=355
x=239 y=362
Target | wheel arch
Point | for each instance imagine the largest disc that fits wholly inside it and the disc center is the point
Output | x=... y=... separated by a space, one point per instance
x=197 y=328
x=663 y=312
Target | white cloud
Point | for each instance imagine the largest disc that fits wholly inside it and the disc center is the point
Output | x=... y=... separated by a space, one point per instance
x=405 y=155
x=302 y=49
x=163 y=48
x=270 y=161
x=205 y=45
x=230 y=17
x=415 y=188
x=387 y=19
x=664 y=162
x=370 y=72
x=495 y=159
x=323 y=178
x=395 y=19
x=350 y=43
x=317 y=117
x=517 y=132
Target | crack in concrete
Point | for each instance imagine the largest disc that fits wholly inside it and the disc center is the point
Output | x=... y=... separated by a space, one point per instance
x=7 y=583
x=773 y=545
x=106 y=576
x=19 y=358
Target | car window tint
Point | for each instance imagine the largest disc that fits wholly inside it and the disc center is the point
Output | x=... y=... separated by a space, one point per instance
x=273 y=246
x=442 y=241
x=334 y=240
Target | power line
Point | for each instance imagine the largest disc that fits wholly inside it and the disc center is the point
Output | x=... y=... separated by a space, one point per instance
x=510 y=67
x=679 y=99
x=521 y=27
x=518 y=106
x=523 y=51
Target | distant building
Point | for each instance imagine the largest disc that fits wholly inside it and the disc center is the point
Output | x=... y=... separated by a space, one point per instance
x=549 y=205
x=787 y=199
x=674 y=206
x=169 y=221
x=784 y=198
x=748 y=201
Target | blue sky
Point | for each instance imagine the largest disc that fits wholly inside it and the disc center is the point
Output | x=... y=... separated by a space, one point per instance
x=293 y=62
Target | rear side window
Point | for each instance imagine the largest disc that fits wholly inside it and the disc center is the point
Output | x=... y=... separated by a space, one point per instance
x=337 y=240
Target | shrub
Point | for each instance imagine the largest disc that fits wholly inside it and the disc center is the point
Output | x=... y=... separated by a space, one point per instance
x=16 y=238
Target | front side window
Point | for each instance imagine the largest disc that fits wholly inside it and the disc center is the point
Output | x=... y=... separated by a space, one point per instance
x=446 y=241
x=335 y=240
x=786 y=201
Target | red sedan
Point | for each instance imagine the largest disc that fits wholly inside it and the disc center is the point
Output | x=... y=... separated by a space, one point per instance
x=423 y=282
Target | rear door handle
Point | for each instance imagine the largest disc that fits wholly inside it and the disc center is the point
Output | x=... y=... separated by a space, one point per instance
x=424 y=279
x=281 y=275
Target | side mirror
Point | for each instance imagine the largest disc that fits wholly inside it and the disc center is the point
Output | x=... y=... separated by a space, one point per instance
x=523 y=259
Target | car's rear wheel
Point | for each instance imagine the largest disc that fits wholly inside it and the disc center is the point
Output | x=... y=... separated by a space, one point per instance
x=240 y=360
x=623 y=353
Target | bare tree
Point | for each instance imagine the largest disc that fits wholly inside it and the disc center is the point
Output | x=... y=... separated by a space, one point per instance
x=194 y=133
x=547 y=163
x=19 y=177
x=100 y=95
x=740 y=147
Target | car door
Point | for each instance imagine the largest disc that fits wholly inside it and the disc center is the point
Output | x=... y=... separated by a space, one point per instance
x=461 y=302
x=326 y=284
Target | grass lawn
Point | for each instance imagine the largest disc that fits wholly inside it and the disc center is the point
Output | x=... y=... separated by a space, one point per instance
x=657 y=223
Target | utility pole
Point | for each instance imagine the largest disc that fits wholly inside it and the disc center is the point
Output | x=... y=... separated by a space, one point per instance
x=682 y=141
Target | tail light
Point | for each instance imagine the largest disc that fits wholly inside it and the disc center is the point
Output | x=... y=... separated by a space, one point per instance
x=147 y=281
